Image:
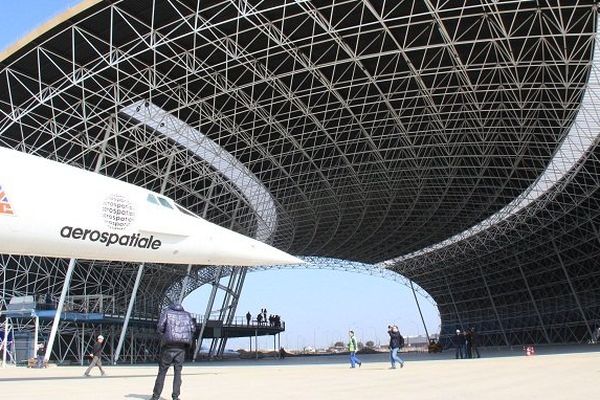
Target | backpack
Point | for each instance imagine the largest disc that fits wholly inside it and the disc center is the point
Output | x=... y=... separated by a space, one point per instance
x=401 y=340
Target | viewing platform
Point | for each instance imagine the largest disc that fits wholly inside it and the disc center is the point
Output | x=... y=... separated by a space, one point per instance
x=239 y=327
x=26 y=307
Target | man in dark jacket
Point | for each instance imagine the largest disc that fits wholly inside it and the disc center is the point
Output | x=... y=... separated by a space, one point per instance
x=176 y=328
x=467 y=334
x=474 y=343
x=96 y=356
x=396 y=342
x=459 y=342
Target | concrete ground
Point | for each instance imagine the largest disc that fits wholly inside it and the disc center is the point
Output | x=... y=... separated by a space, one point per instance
x=552 y=374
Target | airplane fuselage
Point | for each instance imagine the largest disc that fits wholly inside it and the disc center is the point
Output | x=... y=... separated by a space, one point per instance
x=52 y=209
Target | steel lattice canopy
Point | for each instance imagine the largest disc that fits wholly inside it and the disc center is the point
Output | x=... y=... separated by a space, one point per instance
x=366 y=130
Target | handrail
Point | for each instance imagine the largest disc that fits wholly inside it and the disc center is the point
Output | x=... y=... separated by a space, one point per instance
x=241 y=321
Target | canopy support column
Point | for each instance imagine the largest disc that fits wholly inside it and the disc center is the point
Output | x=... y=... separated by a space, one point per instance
x=573 y=291
x=419 y=308
x=535 y=307
x=59 y=308
x=185 y=283
x=209 y=307
x=5 y=342
x=36 y=333
x=136 y=285
x=493 y=303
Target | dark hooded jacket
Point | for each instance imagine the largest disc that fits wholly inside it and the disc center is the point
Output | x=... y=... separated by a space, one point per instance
x=396 y=340
x=459 y=339
x=175 y=326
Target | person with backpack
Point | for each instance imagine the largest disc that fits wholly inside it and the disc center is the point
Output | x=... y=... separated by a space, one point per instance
x=352 y=348
x=176 y=329
x=396 y=343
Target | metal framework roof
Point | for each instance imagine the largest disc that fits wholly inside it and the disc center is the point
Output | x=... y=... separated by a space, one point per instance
x=452 y=141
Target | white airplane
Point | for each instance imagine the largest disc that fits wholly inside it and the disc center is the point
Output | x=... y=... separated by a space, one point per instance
x=55 y=210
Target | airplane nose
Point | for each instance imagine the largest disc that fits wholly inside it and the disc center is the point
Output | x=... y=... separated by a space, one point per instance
x=271 y=256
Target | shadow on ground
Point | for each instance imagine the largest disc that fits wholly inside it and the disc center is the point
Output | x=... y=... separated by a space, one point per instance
x=107 y=376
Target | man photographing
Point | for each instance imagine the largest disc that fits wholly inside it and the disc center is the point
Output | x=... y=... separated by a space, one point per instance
x=396 y=342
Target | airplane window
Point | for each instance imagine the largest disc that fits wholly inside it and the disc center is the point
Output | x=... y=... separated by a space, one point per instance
x=152 y=199
x=164 y=202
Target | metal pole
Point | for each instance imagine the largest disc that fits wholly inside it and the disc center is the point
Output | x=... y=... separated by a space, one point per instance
x=12 y=352
x=185 y=283
x=36 y=332
x=61 y=303
x=562 y=264
x=419 y=308
x=107 y=132
x=112 y=344
x=209 y=306
x=454 y=304
x=163 y=186
x=82 y=344
x=533 y=301
x=136 y=285
x=132 y=338
x=5 y=342
x=494 y=306
x=256 y=341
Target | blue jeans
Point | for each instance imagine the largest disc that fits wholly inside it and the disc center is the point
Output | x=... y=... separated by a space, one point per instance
x=394 y=357
x=353 y=359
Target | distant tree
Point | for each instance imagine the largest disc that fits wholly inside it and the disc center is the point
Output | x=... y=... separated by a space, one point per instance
x=360 y=345
x=338 y=344
x=370 y=344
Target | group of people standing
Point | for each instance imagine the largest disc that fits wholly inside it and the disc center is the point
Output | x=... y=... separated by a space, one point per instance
x=262 y=319
x=396 y=343
x=466 y=343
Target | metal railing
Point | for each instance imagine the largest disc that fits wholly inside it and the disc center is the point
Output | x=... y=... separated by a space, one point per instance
x=241 y=321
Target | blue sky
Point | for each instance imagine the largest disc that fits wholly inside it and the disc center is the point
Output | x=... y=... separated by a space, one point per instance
x=319 y=306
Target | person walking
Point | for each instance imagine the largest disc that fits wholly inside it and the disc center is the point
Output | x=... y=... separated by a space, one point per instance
x=96 y=356
x=396 y=343
x=248 y=318
x=352 y=348
x=176 y=328
x=41 y=352
x=459 y=342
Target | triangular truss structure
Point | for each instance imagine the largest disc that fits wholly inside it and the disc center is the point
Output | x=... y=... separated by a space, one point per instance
x=454 y=142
